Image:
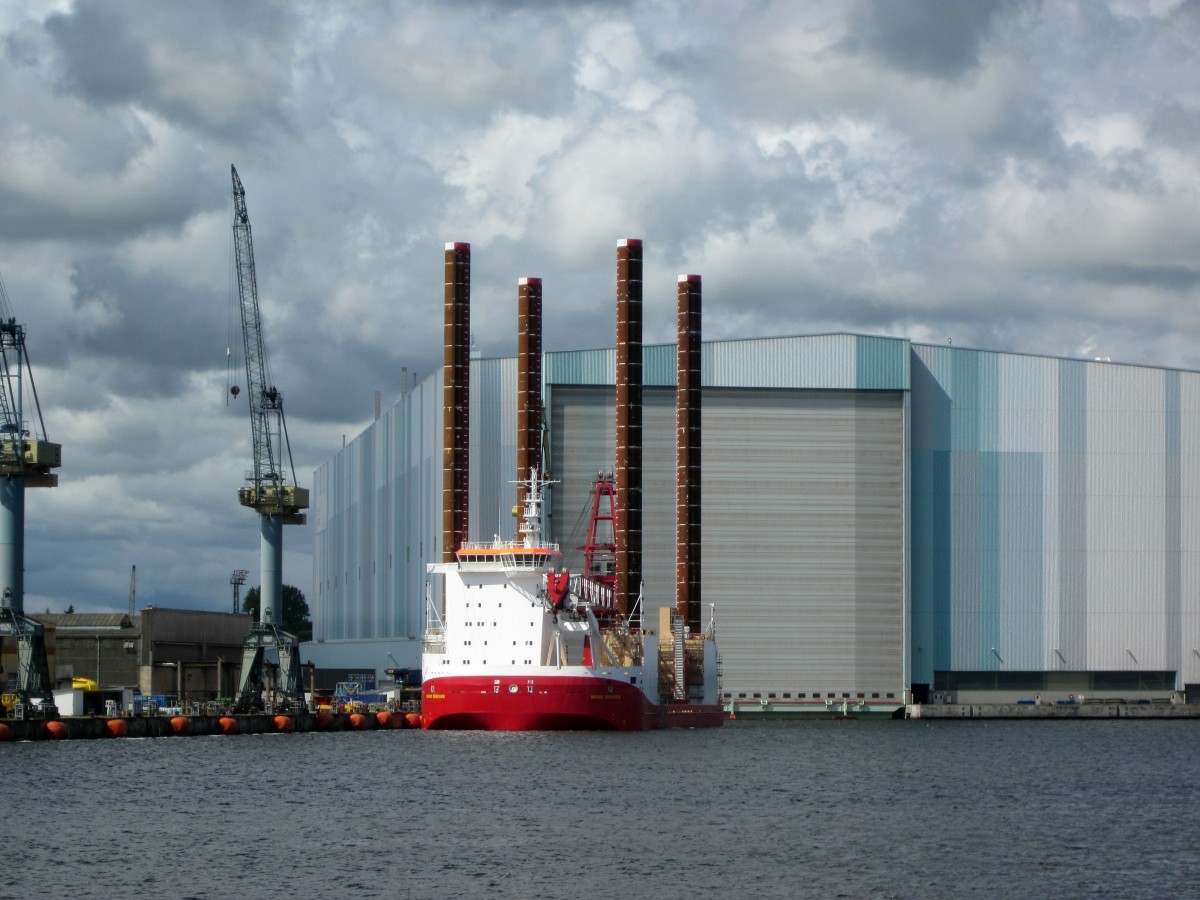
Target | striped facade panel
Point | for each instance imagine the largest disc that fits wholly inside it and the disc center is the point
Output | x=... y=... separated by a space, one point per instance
x=881 y=364
x=1126 y=518
x=1187 y=562
x=658 y=365
x=493 y=449
x=376 y=508
x=804 y=548
x=1048 y=500
x=579 y=367
x=830 y=361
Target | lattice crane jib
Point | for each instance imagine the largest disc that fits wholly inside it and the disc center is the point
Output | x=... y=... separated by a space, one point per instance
x=269 y=488
x=24 y=449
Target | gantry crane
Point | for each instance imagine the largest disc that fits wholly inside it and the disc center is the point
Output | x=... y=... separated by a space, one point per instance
x=268 y=491
x=25 y=461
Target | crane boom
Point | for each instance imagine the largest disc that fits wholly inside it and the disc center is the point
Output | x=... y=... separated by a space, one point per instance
x=19 y=457
x=261 y=402
x=8 y=417
x=268 y=489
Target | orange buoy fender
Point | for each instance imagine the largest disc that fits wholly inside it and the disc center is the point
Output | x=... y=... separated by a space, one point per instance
x=412 y=720
x=56 y=730
x=383 y=719
x=180 y=725
x=284 y=723
x=228 y=725
x=5 y=734
x=358 y=721
x=116 y=728
x=324 y=720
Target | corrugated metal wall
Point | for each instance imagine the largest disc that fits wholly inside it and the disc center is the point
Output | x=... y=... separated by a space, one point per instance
x=1054 y=508
x=804 y=553
x=1053 y=511
x=376 y=504
x=377 y=517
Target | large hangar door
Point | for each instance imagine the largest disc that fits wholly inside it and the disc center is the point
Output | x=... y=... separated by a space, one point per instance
x=804 y=550
x=803 y=528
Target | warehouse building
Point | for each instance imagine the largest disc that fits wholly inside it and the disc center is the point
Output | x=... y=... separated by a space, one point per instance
x=882 y=520
x=188 y=655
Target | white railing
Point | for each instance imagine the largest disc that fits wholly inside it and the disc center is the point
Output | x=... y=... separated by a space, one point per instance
x=500 y=544
x=593 y=593
x=434 y=638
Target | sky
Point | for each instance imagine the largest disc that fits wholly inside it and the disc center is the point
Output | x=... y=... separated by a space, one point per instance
x=1018 y=176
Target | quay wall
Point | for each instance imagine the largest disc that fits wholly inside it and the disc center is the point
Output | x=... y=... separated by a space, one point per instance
x=1053 y=711
x=87 y=727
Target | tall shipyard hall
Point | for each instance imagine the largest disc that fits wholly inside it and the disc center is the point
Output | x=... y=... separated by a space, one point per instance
x=883 y=522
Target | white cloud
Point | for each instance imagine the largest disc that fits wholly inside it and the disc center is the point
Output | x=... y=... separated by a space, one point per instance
x=1029 y=184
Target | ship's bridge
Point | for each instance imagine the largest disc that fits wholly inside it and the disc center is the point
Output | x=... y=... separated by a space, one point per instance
x=508 y=556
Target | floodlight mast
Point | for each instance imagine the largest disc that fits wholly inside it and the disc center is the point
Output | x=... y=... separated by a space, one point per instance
x=268 y=491
x=25 y=461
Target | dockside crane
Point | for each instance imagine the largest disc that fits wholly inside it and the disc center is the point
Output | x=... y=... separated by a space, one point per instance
x=26 y=458
x=269 y=491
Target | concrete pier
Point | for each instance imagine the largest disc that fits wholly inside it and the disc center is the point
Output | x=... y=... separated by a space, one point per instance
x=1088 y=710
x=85 y=727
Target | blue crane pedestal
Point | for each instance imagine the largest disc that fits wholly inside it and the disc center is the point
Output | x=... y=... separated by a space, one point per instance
x=256 y=690
x=33 y=669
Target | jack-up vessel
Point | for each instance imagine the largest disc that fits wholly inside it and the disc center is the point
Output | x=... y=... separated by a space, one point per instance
x=525 y=645
x=513 y=640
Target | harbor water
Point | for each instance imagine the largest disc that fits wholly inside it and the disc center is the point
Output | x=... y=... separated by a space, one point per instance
x=767 y=809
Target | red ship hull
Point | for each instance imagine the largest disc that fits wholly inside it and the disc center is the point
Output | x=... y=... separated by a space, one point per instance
x=554 y=703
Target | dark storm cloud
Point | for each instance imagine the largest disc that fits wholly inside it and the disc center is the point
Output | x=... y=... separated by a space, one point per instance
x=219 y=67
x=1175 y=279
x=1176 y=124
x=1024 y=128
x=157 y=329
x=930 y=38
x=103 y=59
x=44 y=215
